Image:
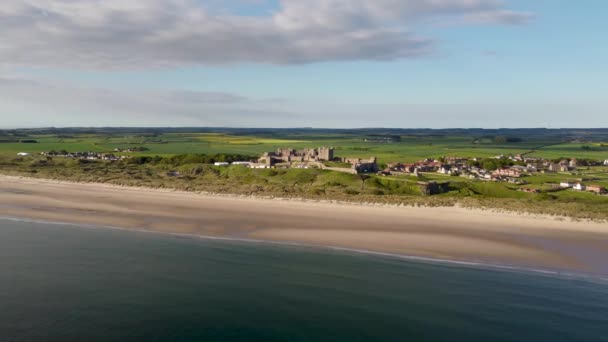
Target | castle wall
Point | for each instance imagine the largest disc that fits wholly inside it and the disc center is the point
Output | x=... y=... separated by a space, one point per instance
x=341 y=169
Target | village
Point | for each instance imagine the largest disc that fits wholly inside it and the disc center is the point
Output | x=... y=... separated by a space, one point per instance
x=89 y=155
x=82 y=155
x=511 y=169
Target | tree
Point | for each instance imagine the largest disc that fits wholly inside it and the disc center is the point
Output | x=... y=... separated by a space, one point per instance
x=500 y=139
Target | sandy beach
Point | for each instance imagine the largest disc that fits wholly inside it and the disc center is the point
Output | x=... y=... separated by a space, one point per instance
x=444 y=233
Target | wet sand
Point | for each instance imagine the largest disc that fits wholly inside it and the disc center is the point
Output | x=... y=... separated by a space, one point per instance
x=444 y=233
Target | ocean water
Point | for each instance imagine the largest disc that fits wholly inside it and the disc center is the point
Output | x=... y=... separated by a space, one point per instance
x=66 y=283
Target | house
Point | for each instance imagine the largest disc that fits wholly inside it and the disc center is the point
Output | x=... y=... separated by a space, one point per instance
x=597 y=189
x=507 y=172
x=426 y=168
x=606 y=162
x=395 y=166
x=519 y=168
x=445 y=170
x=579 y=187
x=531 y=168
x=109 y=157
x=363 y=165
x=221 y=164
x=23 y=154
x=259 y=166
x=245 y=163
x=566 y=185
x=408 y=168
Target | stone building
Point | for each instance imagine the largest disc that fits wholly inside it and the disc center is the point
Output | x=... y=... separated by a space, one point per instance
x=317 y=155
x=287 y=155
x=433 y=188
x=363 y=165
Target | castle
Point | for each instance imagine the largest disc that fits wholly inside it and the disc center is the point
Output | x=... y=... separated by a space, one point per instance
x=315 y=157
x=286 y=155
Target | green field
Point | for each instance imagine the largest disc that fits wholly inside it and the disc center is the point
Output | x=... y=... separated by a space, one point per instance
x=409 y=148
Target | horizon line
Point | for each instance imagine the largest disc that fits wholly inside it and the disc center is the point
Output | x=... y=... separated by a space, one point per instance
x=303 y=128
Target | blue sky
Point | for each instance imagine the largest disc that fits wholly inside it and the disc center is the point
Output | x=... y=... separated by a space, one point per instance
x=288 y=63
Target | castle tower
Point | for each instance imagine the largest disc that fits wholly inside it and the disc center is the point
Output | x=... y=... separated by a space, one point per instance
x=326 y=153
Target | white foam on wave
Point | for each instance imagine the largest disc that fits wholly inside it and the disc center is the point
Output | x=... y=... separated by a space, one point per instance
x=414 y=258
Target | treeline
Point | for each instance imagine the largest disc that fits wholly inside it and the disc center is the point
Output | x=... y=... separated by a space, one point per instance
x=594 y=134
x=183 y=159
x=600 y=147
x=508 y=139
x=5 y=139
x=492 y=163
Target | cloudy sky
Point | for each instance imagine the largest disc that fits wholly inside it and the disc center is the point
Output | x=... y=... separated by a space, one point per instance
x=296 y=63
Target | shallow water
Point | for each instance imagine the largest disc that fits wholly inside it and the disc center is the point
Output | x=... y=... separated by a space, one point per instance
x=64 y=283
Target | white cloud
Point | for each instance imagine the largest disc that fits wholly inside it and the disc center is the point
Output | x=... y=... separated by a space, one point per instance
x=34 y=103
x=109 y=34
x=501 y=16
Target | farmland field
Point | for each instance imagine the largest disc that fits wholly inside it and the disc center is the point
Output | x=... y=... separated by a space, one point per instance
x=402 y=147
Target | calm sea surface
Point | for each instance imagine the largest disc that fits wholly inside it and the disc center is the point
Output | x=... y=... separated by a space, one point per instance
x=65 y=283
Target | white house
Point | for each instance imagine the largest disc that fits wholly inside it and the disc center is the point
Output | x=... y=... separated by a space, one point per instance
x=23 y=154
x=446 y=170
x=606 y=162
x=259 y=166
x=242 y=163
x=566 y=184
x=531 y=168
x=221 y=164
x=579 y=187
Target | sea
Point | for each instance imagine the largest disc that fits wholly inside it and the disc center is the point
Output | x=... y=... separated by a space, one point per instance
x=62 y=282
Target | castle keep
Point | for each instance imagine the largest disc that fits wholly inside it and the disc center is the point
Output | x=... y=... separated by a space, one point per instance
x=286 y=155
x=315 y=157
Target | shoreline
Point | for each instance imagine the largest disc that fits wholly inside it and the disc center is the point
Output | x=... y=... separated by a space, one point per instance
x=439 y=233
x=409 y=258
